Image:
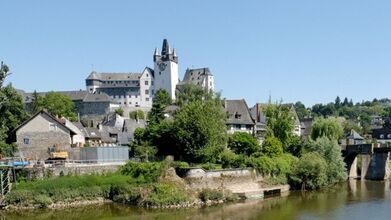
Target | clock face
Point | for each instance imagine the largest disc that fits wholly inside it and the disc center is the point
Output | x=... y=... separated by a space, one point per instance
x=162 y=66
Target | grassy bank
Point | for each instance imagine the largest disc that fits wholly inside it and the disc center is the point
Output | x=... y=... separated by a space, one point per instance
x=135 y=184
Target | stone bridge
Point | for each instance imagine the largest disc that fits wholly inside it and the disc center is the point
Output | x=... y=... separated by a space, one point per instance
x=374 y=161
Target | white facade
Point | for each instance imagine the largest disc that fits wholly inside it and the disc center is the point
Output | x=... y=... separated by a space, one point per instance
x=136 y=90
x=166 y=69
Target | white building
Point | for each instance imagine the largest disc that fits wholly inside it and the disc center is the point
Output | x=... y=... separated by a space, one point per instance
x=136 y=90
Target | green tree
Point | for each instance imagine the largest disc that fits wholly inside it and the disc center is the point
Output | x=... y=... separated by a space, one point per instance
x=59 y=105
x=119 y=111
x=4 y=72
x=12 y=111
x=337 y=102
x=137 y=114
x=160 y=102
x=349 y=125
x=272 y=147
x=280 y=123
x=190 y=93
x=326 y=127
x=310 y=172
x=243 y=143
x=201 y=130
x=144 y=150
x=331 y=152
x=38 y=102
x=301 y=110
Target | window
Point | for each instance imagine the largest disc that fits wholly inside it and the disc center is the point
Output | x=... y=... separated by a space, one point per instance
x=147 y=99
x=146 y=92
x=382 y=136
x=151 y=82
x=26 y=141
x=146 y=83
x=160 y=73
x=389 y=136
x=52 y=127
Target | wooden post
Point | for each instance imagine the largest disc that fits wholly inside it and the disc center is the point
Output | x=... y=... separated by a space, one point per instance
x=2 y=184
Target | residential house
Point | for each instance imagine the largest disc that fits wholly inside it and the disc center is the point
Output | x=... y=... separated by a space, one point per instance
x=238 y=116
x=382 y=135
x=353 y=138
x=306 y=125
x=39 y=133
x=258 y=114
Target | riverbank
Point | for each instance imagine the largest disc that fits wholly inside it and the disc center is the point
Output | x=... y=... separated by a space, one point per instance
x=354 y=199
x=150 y=185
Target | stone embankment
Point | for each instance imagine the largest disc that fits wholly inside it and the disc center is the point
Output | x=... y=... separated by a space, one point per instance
x=245 y=183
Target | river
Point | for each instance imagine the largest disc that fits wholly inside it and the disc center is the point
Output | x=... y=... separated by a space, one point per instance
x=350 y=200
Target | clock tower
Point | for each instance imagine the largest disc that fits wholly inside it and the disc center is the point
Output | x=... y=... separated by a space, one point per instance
x=166 y=69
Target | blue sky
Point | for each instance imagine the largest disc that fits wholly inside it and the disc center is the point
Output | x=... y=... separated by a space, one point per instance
x=308 y=50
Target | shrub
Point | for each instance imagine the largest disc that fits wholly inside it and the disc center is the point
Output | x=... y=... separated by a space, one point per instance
x=310 y=172
x=146 y=172
x=211 y=194
x=180 y=164
x=272 y=147
x=331 y=152
x=243 y=143
x=43 y=201
x=165 y=194
x=210 y=166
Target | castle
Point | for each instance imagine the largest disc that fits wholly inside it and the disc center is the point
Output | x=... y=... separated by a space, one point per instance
x=136 y=90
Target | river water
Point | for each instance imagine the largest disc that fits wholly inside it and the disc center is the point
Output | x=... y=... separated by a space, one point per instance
x=350 y=200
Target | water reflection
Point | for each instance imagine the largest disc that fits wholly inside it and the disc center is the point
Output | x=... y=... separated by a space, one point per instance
x=350 y=200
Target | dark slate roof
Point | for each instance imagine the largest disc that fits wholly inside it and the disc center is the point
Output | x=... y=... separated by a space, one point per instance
x=92 y=133
x=306 y=125
x=79 y=95
x=238 y=112
x=354 y=135
x=130 y=125
x=97 y=97
x=114 y=76
x=195 y=74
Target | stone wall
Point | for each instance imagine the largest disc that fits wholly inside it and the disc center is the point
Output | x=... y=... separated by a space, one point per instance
x=40 y=172
x=236 y=180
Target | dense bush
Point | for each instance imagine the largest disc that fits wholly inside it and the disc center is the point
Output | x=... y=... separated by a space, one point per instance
x=330 y=151
x=165 y=194
x=272 y=147
x=147 y=172
x=310 y=172
x=243 y=143
x=210 y=194
x=229 y=159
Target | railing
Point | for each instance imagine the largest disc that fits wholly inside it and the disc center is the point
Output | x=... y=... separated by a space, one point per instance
x=5 y=181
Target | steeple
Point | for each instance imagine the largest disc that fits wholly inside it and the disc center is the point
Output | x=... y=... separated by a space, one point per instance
x=165 y=48
x=156 y=53
x=173 y=53
x=168 y=53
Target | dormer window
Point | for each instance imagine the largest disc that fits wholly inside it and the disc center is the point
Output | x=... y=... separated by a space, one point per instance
x=237 y=115
x=381 y=136
x=389 y=136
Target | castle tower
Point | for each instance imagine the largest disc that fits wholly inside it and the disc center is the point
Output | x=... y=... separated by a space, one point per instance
x=166 y=69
